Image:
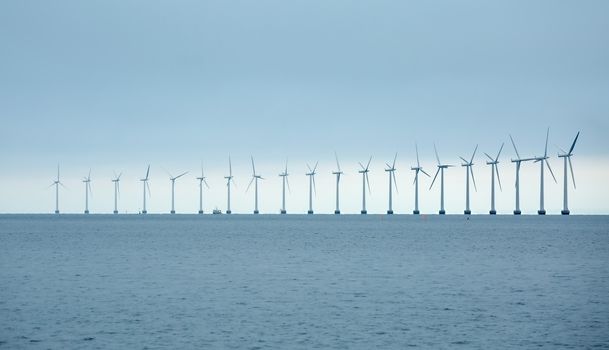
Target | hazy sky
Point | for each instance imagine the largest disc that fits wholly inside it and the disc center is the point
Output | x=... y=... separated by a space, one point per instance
x=115 y=85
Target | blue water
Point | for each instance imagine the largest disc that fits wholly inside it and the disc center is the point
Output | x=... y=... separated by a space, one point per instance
x=278 y=282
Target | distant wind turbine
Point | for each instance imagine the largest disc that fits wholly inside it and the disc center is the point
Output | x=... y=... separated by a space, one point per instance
x=255 y=178
x=440 y=170
x=417 y=169
x=201 y=182
x=391 y=171
x=566 y=156
x=494 y=163
x=146 y=186
x=87 y=181
x=338 y=173
x=284 y=178
x=541 y=161
x=518 y=161
x=229 y=179
x=468 y=170
x=173 y=183
x=56 y=183
x=365 y=181
x=116 y=181
x=311 y=175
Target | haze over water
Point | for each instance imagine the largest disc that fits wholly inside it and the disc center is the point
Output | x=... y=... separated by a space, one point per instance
x=322 y=281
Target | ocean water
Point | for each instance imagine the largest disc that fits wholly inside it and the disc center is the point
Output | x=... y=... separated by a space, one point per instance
x=303 y=282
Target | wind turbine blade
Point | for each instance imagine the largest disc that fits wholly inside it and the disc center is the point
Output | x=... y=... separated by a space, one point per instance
x=475 y=149
x=572 y=175
x=489 y=157
x=315 y=167
x=288 y=182
x=182 y=174
x=147 y=172
x=573 y=145
x=395 y=183
x=388 y=166
x=513 y=144
x=545 y=154
x=248 y=186
x=62 y=185
x=230 y=167
x=434 y=178
x=253 y=166
x=308 y=167
x=314 y=186
x=498 y=178
x=436 y=151
x=337 y=164
x=423 y=171
x=463 y=159
x=368 y=165
x=416 y=148
x=205 y=182
x=500 y=149
x=361 y=165
x=118 y=189
x=368 y=182
x=148 y=187
x=549 y=168
x=473 y=178
x=394 y=159
x=562 y=150
x=119 y=176
x=89 y=176
x=286 y=166
x=89 y=187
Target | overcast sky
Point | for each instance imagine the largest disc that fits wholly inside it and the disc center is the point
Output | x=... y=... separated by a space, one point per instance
x=116 y=85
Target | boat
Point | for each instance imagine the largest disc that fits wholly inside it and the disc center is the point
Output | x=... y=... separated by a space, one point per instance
x=217 y=211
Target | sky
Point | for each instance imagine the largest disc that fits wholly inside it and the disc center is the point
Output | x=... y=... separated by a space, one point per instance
x=113 y=86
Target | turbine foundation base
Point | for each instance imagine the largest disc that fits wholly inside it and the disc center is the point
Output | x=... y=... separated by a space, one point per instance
x=86 y=212
x=283 y=212
x=56 y=211
x=172 y=212
x=363 y=212
x=493 y=212
x=255 y=211
x=115 y=212
x=541 y=212
x=389 y=212
x=565 y=212
x=416 y=212
x=467 y=212
x=310 y=212
x=144 y=212
x=228 y=211
x=442 y=212
x=337 y=212
x=517 y=212
x=200 y=211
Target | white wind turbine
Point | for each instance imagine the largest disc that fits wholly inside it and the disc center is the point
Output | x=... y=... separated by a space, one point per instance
x=440 y=170
x=255 y=178
x=201 y=182
x=229 y=179
x=338 y=173
x=391 y=171
x=116 y=181
x=311 y=175
x=541 y=161
x=56 y=183
x=365 y=181
x=494 y=163
x=87 y=181
x=566 y=156
x=146 y=186
x=284 y=178
x=468 y=170
x=518 y=161
x=173 y=184
x=417 y=169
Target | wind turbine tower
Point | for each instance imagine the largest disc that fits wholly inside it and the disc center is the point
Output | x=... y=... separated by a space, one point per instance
x=311 y=175
x=494 y=163
x=440 y=170
x=365 y=181
x=338 y=173
x=566 y=156
x=87 y=181
x=518 y=161
x=146 y=186
x=116 y=181
x=417 y=169
x=229 y=179
x=391 y=171
x=56 y=183
x=173 y=184
x=255 y=178
x=201 y=182
x=541 y=161
x=468 y=170
x=284 y=179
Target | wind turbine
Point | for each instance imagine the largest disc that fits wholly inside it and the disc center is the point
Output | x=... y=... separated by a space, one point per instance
x=173 y=184
x=284 y=179
x=56 y=183
x=365 y=181
x=229 y=179
x=87 y=181
x=116 y=181
x=494 y=163
x=566 y=156
x=541 y=161
x=201 y=182
x=468 y=170
x=338 y=173
x=255 y=178
x=391 y=170
x=311 y=175
x=146 y=186
x=417 y=169
x=518 y=161
x=440 y=170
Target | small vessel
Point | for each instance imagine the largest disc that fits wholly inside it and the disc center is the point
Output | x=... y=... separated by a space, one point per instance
x=217 y=211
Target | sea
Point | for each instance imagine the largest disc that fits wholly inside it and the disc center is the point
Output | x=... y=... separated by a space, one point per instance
x=304 y=282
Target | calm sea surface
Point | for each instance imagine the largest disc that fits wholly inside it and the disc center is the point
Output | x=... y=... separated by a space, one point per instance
x=281 y=282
